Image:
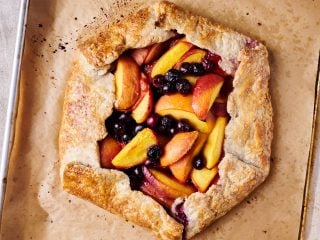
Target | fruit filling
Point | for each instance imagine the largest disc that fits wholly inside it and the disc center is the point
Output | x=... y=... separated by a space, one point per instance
x=167 y=128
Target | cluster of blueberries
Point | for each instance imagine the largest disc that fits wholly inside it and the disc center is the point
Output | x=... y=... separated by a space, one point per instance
x=123 y=128
x=173 y=82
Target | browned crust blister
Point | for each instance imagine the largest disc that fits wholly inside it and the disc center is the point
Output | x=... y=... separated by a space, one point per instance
x=90 y=97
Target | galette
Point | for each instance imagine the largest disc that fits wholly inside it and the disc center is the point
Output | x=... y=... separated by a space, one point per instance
x=167 y=120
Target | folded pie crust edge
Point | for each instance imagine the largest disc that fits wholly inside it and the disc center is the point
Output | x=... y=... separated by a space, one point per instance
x=90 y=96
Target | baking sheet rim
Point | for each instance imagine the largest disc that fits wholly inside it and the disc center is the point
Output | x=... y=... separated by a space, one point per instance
x=307 y=187
x=13 y=101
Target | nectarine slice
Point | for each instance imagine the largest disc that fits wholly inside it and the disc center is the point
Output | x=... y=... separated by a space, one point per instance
x=177 y=147
x=144 y=88
x=109 y=148
x=179 y=189
x=205 y=92
x=174 y=101
x=211 y=120
x=127 y=79
x=213 y=147
x=203 y=178
x=142 y=111
x=158 y=192
x=182 y=168
x=170 y=58
x=155 y=52
x=135 y=152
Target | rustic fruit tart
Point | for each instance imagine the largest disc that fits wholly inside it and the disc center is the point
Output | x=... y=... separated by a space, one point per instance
x=167 y=128
x=167 y=120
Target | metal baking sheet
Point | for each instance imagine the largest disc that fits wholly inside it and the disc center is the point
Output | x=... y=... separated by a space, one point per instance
x=13 y=100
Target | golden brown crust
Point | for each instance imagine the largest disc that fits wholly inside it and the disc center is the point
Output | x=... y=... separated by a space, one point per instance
x=249 y=132
x=135 y=31
x=89 y=100
x=154 y=24
x=110 y=190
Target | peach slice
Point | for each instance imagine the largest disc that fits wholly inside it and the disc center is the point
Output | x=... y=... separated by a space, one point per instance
x=211 y=120
x=135 y=152
x=127 y=79
x=212 y=149
x=201 y=126
x=182 y=168
x=179 y=189
x=163 y=188
x=144 y=108
x=139 y=55
x=192 y=56
x=109 y=148
x=144 y=88
x=144 y=105
x=205 y=92
x=170 y=58
x=203 y=178
x=177 y=147
x=174 y=101
x=157 y=191
x=155 y=52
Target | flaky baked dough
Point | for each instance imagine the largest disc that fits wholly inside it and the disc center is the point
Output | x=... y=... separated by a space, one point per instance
x=89 y=99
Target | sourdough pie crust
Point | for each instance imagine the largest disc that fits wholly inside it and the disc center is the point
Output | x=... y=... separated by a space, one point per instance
x=90 y=97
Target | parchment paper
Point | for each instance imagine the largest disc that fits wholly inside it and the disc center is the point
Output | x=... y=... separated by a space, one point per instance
x=35 y=205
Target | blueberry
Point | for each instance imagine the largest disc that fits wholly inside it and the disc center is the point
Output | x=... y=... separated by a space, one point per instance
x=198 y=163
x=168 y=88
x=162 y=129
x=197 y=69
x=173 y=75
x=110 y=121
x=158 y=81
x=183 y=86
x=157 y=93
x=126 y=138
x=118 y=130
x=185 y=68
x=123 y=117
x=118 y=127
x=167 y=122
x=154 y=152
x=184 y=126
x=165 y=89
x=126 y=119
x=136 y=177
x=172 y=131
x=137 y=129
